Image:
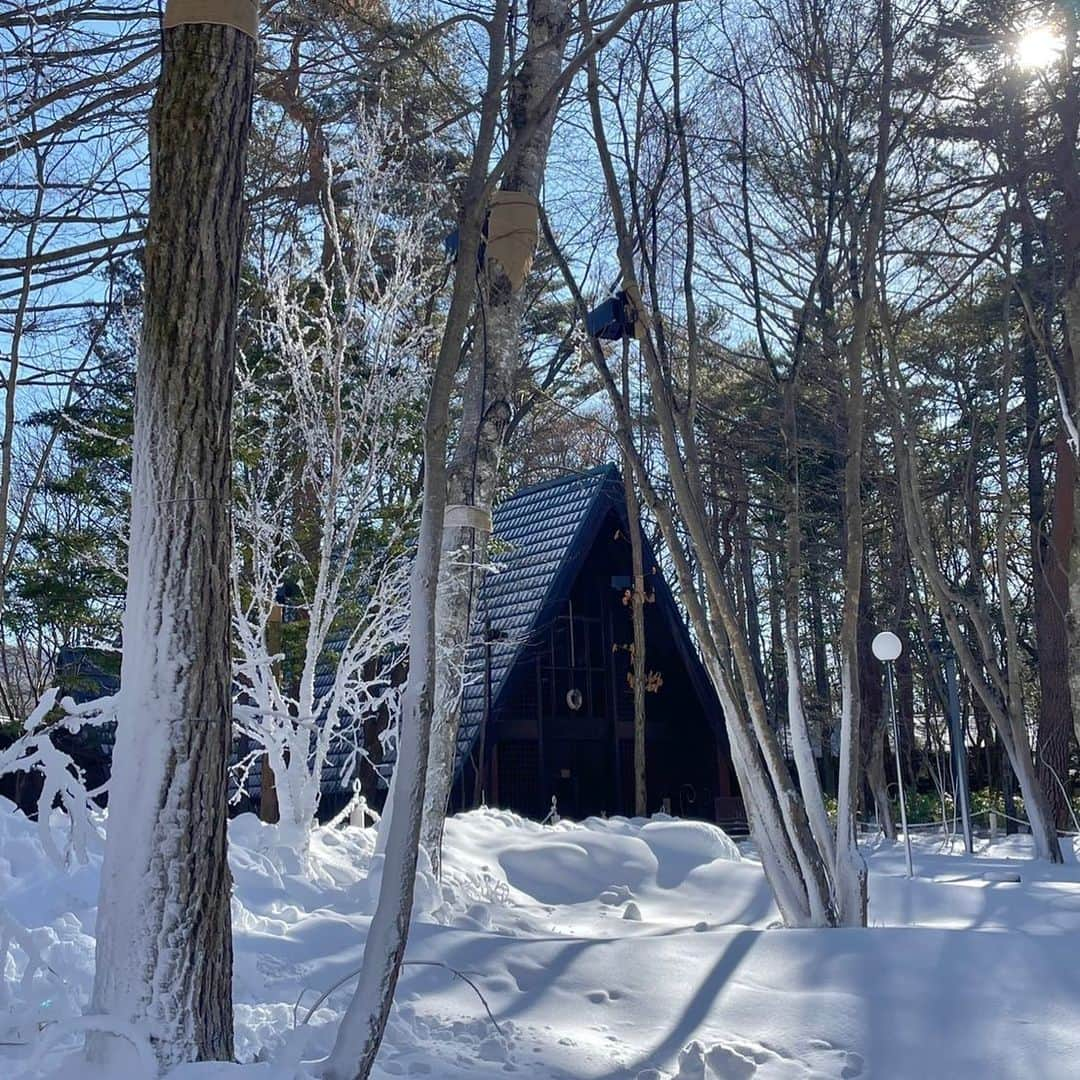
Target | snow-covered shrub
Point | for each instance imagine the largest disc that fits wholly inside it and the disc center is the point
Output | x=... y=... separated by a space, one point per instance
x=63 y=781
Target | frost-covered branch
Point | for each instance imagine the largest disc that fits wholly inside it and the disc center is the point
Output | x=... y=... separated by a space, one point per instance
x=330 y=398
x=63 y=781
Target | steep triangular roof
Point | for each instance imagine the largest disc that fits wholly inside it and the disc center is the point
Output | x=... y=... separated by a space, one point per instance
x=542 y=535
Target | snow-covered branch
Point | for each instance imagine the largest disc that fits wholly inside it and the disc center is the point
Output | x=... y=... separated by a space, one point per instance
x=329 y=401
x=63 y=781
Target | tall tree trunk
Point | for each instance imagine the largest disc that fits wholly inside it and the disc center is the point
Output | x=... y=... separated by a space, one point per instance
x=822 y=707
x=777 y=662
x=850 y=866
x=1049 y=559
x=1055 y=739
x=360 y=1035
x=362 y=1027
x=1049 y=567
x=1071 y=304
x=792 y=860
x=473 y=472
x=802 y=748
x=850 y=873
x=899 y=608
x=164 y=942
x=1067 y=377
x=875 y=722
x=983 y=671
x=744 y=571
x=269 y=810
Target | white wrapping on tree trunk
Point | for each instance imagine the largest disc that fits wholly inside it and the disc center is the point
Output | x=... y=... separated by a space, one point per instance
x=463 y=516
x=243 y=15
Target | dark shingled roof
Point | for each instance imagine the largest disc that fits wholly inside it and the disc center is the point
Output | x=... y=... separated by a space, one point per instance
x=542 y=534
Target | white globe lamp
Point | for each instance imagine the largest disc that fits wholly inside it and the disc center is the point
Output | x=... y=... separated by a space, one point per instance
x=886 y=646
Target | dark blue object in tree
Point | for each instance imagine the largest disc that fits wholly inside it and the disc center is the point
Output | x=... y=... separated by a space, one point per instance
x=452 y=243
x=616 y=318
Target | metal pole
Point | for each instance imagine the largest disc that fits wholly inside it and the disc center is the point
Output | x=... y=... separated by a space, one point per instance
x=481 y=765
x=959 y=750
x=899 y=773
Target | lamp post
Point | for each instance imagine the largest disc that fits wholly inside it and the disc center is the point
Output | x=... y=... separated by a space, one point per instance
x=886 y=647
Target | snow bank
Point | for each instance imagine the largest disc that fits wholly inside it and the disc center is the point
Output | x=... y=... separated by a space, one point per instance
x=610 y=860
x=46 y=928
x=541 y=922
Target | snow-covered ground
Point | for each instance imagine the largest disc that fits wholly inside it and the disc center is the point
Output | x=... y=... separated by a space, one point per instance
x=604 y=950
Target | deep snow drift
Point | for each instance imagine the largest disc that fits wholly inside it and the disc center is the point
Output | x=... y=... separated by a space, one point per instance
x=604 y=950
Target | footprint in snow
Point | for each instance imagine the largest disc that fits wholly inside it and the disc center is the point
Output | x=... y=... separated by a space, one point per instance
x=740 y=1060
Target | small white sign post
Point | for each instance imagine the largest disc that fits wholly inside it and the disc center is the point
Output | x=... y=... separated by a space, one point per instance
x=886 y=647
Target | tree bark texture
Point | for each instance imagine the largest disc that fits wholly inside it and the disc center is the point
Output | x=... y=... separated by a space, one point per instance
x=360 y=1035
x=875 y=720
x=164 y=952
x=472 y=474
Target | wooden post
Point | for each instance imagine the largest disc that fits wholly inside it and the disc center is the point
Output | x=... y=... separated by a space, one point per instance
x=540 y=727
x=637 y=612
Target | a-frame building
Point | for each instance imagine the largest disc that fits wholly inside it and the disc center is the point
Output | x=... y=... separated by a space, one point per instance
x=548 y=703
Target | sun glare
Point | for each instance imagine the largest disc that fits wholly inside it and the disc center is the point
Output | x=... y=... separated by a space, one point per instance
x=1038 y=47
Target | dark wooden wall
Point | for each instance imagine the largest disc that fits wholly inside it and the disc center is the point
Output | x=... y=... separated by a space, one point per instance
x=539 y=746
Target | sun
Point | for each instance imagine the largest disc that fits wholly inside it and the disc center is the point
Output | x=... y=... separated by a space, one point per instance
x=1038 y=47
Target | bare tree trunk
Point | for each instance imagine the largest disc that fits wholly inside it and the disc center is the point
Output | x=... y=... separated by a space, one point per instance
x=873 y=714
x=898 y=600
x=744 y=571
x=791 y=858
x=850 y=866
x=795 y=870
x=473 y=470
x=1056 y=729
x=988 y=680
x=1015 y=738
x=1049 y=571
x=1071 y=305
x=1067 y=160
x=362 y=1027
x=269 y=808
x=822 y=707
x=361 y=1031
x=164 y=940
x=809 y=781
